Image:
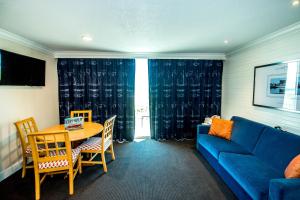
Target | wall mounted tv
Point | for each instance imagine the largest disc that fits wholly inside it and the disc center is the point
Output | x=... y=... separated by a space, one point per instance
x=19 y=70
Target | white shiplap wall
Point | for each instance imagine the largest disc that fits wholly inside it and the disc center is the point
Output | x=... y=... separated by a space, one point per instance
x=238 y=78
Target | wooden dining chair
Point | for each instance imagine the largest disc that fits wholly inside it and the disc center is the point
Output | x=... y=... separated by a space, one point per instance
x=100 y=145
x=86 y=114
x=24 y=127
x=57 y=157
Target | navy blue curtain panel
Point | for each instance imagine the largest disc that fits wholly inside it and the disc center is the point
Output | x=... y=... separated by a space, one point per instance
x=182 y=93
x=105 y=86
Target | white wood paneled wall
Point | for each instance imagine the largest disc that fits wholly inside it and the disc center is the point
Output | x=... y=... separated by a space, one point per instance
x=238 y=76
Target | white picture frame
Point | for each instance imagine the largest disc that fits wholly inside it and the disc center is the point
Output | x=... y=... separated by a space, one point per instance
x=277 y=86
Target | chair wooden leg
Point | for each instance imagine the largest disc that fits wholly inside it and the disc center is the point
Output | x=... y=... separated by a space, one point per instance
x=24 y=167
x=71 y=182
x=80 y=165
x=104 y=162
x=37 y=185
x=112 y=152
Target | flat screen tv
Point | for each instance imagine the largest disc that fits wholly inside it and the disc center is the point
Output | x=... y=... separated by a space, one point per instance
x=19 y=70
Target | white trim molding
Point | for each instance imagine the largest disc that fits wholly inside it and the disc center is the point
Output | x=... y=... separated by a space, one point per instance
x=291 y=28
x=24 y=42
x=98 y=54
x=11 y=170
x=91 y=54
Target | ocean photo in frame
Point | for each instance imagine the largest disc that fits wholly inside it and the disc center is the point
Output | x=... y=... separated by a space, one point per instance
x=277 y=86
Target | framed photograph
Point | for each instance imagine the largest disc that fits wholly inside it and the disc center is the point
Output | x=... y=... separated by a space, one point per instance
x=277 y=86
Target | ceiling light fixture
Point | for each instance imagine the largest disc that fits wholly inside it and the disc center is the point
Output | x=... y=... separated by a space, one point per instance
x=296 y=2
x=226 y=41
x=86 y=38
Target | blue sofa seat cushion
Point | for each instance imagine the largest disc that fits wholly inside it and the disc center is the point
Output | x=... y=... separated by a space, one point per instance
x=250 y=172
x=246 y=132
x=215 y=145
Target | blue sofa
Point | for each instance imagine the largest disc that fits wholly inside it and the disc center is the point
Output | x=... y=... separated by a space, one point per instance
x=252 y=163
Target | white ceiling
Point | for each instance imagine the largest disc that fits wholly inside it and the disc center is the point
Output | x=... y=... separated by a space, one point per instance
x=160 y=26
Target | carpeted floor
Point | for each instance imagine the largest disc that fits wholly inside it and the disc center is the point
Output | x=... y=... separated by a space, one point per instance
x=143 y=170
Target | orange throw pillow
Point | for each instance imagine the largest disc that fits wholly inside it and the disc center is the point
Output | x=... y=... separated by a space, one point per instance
x=221 y=128
x=293 y=169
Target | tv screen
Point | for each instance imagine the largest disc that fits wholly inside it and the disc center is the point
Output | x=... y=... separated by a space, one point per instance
x=16 y=69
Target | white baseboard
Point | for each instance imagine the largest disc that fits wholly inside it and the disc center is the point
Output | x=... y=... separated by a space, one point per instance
x=11 y=170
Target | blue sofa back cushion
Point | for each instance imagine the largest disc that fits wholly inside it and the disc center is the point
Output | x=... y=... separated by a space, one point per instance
x=277 y=148
x=246 y=132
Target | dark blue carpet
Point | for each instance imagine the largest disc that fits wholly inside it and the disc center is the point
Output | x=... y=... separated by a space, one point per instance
x=145 y=170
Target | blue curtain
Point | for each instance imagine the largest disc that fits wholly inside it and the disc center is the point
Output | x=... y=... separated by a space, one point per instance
x=105 y=86
x=182 y=93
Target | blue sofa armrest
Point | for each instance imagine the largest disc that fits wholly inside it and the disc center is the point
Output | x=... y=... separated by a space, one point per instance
x=202 y=129
x=283 y=189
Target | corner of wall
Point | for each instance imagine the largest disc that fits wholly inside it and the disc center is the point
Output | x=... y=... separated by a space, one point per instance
x=20 y=102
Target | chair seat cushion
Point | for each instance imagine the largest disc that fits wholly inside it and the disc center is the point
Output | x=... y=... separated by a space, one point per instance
x=28 y=150
x=216 y=145
x=251 y=173
x=60 y=163
x=94 y=144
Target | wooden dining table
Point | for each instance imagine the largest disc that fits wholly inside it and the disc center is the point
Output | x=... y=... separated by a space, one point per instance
x=88 y=130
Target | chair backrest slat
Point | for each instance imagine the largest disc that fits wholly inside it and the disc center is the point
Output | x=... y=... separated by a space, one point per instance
x=107 y=134
x=25 y=127
x=86 y=114
x=52 y=148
